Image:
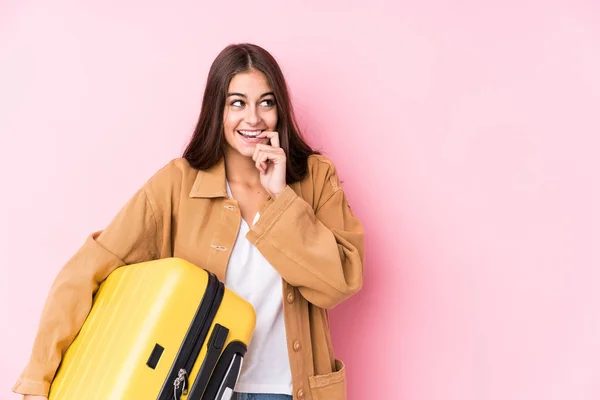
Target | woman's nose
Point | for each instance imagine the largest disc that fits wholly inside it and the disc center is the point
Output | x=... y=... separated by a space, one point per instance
x=252 y=117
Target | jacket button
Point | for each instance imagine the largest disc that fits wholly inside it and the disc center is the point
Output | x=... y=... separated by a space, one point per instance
x=290 y=297
x=300 y=393
x=296 y=346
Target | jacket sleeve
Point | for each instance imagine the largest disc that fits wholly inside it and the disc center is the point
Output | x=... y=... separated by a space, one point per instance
x=131 y=237
x=321 y=250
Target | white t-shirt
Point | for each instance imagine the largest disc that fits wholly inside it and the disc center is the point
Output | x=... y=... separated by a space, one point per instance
x=266 y=366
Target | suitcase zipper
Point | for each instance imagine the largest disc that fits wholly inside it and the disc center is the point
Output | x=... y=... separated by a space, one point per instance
x=193 y=340
x=178 y=381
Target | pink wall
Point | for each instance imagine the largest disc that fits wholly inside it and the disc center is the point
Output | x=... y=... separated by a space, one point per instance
x=466 y=133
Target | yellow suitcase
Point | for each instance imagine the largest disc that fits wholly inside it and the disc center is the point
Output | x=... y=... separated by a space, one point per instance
x=158 y=330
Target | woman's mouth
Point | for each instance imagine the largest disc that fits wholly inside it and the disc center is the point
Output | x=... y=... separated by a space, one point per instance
x=251 y=136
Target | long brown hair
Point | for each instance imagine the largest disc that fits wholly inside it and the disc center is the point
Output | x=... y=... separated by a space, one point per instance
x=206 y=145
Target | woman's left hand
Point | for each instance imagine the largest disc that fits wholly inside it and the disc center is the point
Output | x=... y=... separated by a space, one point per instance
x=271 y=160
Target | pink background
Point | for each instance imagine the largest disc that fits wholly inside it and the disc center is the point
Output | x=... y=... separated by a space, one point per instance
x=467 y=134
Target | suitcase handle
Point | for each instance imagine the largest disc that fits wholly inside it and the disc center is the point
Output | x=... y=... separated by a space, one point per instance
x=231 y=377
x=226 y=373
x=214 y=348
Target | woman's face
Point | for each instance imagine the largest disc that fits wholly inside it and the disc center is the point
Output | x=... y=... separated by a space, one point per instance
x=249 y=110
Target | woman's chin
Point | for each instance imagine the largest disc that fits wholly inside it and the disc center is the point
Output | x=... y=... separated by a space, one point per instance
x=244 y=147
x=245 y=151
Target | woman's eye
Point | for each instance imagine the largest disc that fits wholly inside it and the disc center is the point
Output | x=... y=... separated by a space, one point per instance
x=268 y=102
x=237 y=103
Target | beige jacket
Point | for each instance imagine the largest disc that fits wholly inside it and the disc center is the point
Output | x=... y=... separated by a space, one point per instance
x=308 y=234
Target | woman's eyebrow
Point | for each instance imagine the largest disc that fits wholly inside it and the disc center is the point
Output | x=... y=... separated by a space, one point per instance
x=243 y=95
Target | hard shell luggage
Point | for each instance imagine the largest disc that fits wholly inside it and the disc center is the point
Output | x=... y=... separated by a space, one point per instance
x=158 y=330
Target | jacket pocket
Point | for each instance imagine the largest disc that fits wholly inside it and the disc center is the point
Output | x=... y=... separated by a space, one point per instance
x=329 y=386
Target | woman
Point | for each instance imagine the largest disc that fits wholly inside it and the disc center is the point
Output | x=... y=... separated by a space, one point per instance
x=250 y=201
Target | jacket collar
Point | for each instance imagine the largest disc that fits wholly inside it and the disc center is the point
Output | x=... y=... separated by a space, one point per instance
x=210 y=183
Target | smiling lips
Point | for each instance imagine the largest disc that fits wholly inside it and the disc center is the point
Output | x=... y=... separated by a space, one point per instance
x=250 y=134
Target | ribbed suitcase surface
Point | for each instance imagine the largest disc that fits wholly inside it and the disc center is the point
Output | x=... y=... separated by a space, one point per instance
x=132 y=342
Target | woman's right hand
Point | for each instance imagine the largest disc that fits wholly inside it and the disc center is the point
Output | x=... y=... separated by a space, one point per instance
x=33 y=397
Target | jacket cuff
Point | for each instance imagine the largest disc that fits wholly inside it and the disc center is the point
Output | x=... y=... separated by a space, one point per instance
x=37 y=388
x=271 y=214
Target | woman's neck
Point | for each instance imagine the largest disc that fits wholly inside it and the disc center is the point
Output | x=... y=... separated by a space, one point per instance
x=240 y=169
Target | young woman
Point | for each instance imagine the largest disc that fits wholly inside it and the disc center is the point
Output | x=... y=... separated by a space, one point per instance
x=253 y=203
